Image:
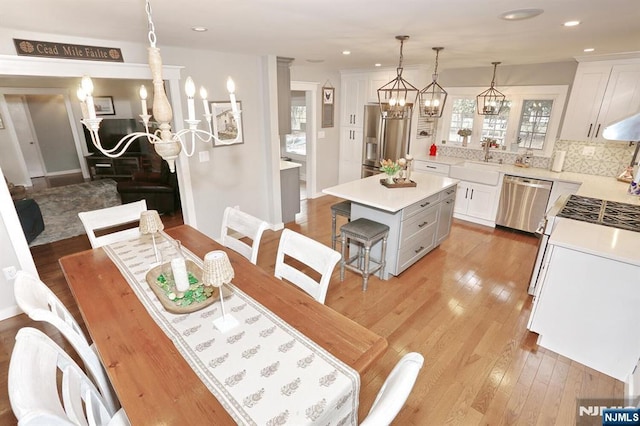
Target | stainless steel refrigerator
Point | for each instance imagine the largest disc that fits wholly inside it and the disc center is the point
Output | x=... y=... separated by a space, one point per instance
x=383 y=139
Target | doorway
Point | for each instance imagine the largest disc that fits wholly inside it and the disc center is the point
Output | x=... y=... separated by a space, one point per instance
x=303 y=147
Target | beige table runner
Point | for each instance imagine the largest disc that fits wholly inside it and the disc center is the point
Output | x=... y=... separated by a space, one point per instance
x=264 y=371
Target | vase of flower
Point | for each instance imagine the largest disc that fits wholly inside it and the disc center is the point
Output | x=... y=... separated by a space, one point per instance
x=465 y=133
x=390 y=168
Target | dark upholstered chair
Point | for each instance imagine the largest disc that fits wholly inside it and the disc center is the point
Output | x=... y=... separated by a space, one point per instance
x=158 y=189
x=30 y=218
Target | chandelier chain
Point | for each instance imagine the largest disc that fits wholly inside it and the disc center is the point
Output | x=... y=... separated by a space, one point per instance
x=152 y=28
x=401 y=57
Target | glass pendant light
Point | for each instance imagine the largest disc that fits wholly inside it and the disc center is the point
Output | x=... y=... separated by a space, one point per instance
x=433 y=97
x=396 y=98
x=490 y=101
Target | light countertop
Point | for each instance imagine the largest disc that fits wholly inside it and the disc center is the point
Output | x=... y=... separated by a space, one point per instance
x=286 y=165
x=603 y=187
x=370 y=192
x=599 y=240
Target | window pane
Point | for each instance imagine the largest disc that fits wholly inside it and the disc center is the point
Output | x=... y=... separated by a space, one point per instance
x=462 y=116
x=296 y=142
x=494 y=127
x=534 y=123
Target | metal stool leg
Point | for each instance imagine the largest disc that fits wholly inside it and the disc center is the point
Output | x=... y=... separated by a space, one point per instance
x=365 y=270
x=333 y=230
x=343 y=244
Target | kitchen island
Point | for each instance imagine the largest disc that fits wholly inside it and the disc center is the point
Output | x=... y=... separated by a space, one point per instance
x=419 y=218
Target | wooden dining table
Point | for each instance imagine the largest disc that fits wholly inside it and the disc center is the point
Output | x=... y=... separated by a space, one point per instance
x=152 y=380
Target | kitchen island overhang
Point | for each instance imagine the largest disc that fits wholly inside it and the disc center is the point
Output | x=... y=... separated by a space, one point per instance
x=419 y=218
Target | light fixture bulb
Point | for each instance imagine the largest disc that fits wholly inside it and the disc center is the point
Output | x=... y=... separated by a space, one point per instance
x=143 y=92
x=427 y=103
x=231 y=86
x=402 y=102
x=203 y=93
x=189 y=87
x=82 y=95
x=392 y=102
x=436 y=102
x=87 y=85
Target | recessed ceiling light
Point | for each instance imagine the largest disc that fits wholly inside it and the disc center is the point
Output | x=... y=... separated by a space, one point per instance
x=346 y=52
x=378 y=65
x=571 y=23
x=589 y=49
x=520 y=14
x=199 y=29
x=315 y=61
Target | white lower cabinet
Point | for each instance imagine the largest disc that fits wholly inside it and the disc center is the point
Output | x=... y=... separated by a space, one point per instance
x=476 y=202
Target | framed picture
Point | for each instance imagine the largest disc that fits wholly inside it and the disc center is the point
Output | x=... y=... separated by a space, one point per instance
x=224 y=124
x=327 y=95
x=328 y=105
x=104 y=105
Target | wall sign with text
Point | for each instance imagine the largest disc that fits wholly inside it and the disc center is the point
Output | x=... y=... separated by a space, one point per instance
x=49 y=49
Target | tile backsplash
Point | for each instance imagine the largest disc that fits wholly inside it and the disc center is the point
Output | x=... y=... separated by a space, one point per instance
x=608 y=158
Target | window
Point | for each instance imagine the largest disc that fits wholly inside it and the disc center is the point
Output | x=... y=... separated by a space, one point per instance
x=462 y=116
x=494 y=127
x=530 y=118
x=534 y=123
x=296 y=142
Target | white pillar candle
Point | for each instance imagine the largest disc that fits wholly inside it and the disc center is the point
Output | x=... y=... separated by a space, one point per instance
x=180 y=274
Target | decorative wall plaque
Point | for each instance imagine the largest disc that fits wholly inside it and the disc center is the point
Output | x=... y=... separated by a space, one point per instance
x=49 y=49
x=328 y=106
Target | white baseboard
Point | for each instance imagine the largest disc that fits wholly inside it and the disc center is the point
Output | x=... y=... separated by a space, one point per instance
x=64 y=172
x=9 y=312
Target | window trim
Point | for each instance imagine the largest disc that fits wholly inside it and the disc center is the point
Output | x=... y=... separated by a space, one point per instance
x=517 y=95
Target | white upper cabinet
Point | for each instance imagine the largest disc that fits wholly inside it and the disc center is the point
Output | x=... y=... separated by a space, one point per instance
x=353 y=95
x=602 y=92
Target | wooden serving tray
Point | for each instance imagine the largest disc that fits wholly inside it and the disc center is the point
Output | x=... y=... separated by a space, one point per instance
x=197 y=297
x=398 y=184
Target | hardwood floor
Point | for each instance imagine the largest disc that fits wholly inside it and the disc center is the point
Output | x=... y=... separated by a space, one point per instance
x=464 y=307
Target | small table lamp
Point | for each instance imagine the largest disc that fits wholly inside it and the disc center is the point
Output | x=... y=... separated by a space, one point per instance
x=217 y=272
x=150 y=223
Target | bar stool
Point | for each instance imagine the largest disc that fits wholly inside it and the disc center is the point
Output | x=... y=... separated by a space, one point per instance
x=365 y=233
x=342 y=208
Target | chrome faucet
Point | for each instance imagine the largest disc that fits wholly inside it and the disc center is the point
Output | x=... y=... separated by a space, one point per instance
x=487 y=157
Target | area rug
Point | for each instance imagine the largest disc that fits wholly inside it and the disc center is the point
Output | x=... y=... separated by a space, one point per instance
x=60 y=207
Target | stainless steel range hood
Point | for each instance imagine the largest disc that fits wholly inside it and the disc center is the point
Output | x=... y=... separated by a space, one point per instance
x=627 y=129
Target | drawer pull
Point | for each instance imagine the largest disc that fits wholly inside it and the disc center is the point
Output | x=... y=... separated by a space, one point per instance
x=419 y=249
x=431 y=167
x=425 y=204
x=450 y=191
x=423 y=224
x=448 y=202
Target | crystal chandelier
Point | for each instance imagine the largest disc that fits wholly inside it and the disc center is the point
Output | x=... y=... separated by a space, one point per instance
x=397 y=96
x=490 y=101
x=432 y=97
x=166 y=143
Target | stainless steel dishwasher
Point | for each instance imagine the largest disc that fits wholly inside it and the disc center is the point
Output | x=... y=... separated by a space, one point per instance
x=523 y=202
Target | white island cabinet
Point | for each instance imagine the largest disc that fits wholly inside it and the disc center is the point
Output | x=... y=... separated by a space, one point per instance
x=419 y=218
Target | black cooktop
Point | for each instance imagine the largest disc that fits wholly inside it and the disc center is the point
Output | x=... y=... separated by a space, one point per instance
x=602 y=212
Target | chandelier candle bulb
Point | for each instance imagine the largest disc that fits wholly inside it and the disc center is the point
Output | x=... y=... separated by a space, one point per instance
x=190 y=91
x=82 y=96
x=205 y=103
x=231 y=87
x=87 y=87
x=143 y=99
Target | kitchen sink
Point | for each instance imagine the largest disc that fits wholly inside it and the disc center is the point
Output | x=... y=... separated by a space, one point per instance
x=478 y=172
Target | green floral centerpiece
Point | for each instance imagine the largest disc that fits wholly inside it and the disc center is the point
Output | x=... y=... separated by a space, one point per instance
x=195 y=294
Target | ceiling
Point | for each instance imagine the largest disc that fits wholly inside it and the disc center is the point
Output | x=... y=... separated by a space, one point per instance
x=315 y=32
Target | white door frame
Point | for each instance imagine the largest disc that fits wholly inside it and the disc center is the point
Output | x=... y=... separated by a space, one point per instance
x=32 y=160
x=311 y=98
x=47 y=67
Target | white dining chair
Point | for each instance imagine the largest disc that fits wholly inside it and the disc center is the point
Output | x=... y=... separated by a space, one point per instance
x=394 y=391
x=38 y=398
x=37 y=300
x=311 y=253
x=110 y=217
x=238 y=226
